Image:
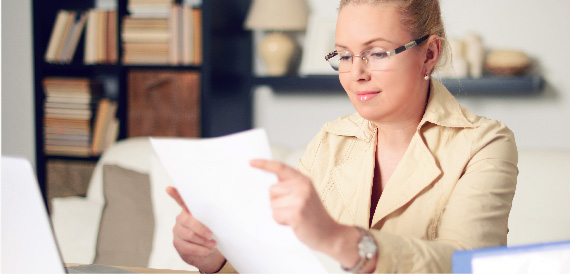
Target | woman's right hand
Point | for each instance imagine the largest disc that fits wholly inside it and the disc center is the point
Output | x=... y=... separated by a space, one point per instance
x=193 y=240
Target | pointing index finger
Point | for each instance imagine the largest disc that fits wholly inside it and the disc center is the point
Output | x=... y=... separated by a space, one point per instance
x=173 y=192
x=280 y=169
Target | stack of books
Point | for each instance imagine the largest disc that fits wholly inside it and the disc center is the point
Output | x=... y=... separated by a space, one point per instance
x=145 y=40
x=161 y=32
x=101 y=45
x=65 y=36
x=68 y=112
x=71 y=127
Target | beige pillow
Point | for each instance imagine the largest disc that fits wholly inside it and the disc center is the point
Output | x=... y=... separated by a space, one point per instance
x=127 y=222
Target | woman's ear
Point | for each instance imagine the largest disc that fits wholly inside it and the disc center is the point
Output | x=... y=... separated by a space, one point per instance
x=433 y=52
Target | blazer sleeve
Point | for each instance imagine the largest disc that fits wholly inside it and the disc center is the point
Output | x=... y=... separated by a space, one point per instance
x=475 y=215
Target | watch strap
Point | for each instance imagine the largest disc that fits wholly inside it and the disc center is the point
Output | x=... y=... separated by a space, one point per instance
x=365 y=236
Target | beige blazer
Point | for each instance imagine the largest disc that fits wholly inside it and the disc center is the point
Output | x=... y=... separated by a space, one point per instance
x=452 y=189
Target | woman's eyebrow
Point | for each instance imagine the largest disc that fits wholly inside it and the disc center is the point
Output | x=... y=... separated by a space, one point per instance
x=379 y=39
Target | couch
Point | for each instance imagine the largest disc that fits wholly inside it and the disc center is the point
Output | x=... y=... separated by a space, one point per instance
x=87 y=228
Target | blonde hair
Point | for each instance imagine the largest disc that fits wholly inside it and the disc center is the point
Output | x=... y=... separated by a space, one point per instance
x=421 y=17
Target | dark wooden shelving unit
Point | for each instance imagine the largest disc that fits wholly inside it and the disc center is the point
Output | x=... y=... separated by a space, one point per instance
x=225 y=106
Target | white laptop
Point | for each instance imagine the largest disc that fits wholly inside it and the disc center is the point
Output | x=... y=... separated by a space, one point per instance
x=28 y=242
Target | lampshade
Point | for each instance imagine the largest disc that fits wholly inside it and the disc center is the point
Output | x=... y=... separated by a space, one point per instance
x=281 y=15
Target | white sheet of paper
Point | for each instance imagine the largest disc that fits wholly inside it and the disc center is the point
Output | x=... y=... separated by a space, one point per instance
x=230 y=197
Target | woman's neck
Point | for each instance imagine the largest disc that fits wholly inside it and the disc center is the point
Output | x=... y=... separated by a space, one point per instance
x=399 y=133
x=396 y=136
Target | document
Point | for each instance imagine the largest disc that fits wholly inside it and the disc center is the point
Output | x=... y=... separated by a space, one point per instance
x=230 y=197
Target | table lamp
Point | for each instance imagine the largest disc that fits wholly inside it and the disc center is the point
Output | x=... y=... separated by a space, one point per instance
x=277 y=16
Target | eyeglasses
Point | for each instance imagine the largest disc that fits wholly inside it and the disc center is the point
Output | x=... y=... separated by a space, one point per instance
x=377 y=59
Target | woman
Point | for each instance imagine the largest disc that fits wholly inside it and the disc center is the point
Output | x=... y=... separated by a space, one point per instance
x=405 y=181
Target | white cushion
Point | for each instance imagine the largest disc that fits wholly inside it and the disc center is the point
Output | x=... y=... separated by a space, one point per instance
x=76 y=224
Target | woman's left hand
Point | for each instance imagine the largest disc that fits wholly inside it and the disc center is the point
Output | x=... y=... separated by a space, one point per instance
x=295 y=203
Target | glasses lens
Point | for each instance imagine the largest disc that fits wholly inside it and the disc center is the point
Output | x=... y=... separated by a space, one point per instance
x=378 y=59
x=334 y=62
x=343 y=61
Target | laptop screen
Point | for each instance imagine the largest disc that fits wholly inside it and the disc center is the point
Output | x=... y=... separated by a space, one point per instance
x=28 y=242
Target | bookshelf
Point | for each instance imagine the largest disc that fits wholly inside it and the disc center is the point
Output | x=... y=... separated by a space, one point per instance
x=224 y=78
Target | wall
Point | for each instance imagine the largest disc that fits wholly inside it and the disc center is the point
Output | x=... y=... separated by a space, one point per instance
x=18 y=132
x=538 y=121
x=532 y=27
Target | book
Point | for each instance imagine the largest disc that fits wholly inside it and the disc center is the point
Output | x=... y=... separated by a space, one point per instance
x=188 y=36
x=149 y=59
x=71 y=111
x=106 y=111
x=65 y=37
x=197 y=16
x=67 y=105
x=163 y=103
x=82 y=151
x=174 y=26
x=66 y=123
x=68 y=135
x=66 y=84
x=68 y=99
x=90 y=54
x=56 y=36
x=75 y=35
x=112 y=43
x=112 y=133
x=83 y=82
x=144 y=23
x=146 y=36
x=53 y=131
x=65 y=116
x=101 y=37
x=150 y=8
x=67 y=142
x=146 y=47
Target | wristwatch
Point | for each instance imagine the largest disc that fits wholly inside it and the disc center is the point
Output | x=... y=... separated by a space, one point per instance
x=367 y=249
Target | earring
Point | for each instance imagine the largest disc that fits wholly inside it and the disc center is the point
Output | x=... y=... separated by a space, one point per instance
x=426 y=77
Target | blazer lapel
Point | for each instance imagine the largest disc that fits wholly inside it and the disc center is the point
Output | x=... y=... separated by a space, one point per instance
x=417 y=170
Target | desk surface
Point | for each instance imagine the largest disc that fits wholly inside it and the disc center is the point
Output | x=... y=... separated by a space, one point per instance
x=140 y=269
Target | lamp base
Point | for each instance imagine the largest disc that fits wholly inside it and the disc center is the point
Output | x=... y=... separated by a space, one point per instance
x=276 y=50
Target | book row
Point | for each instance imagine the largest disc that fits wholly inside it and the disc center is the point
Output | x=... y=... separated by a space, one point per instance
x=148 y=35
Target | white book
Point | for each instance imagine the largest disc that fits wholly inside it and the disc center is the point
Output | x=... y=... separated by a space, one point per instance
x=90 y=55
x=187 y=36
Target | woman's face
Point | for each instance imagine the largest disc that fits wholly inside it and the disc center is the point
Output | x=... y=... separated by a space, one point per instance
x=396 y=92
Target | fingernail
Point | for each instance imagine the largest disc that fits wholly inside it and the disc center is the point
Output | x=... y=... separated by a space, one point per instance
x=212 y=243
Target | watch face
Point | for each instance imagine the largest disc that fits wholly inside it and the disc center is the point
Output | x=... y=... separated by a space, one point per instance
x=367 y=247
